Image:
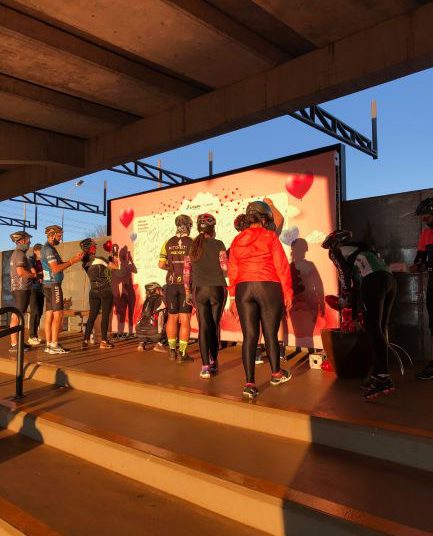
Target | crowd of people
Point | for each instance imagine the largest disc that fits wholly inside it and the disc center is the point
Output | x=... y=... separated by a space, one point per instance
x=259 y=289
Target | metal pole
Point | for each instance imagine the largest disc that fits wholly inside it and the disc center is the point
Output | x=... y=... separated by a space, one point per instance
x=210 y=158
x=19 y=381
x=105 y=198
x=25 y=214
x=374 y=128
x=159 y=174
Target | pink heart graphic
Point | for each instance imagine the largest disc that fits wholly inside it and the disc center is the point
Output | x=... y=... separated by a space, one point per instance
x=126 y=216
x=298 y=184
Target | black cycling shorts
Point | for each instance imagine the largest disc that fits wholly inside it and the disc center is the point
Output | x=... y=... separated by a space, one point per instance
x=21 y=299
x=53 y=297
x=429 y=302
x=176 y=300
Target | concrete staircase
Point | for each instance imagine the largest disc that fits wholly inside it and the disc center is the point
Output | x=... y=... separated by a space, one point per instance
x=272 y=470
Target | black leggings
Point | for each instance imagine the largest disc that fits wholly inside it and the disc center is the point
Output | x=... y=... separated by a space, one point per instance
x=36 y=310
x=99 y=300
x=209 y=302
x=259 y=302
x=378 y=293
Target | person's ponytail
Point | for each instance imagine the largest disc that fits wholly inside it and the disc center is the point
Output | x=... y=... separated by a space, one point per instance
x=198 y=243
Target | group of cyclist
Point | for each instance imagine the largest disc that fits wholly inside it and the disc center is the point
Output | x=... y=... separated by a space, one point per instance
x=259 y=289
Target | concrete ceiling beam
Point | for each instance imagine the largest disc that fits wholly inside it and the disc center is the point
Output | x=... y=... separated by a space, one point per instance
x=392 y=49
x=37 y=34
x=20 y=144
x=28 y=178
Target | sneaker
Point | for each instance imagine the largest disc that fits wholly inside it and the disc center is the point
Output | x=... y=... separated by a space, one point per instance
x=184 y=358
x=13 y=348
x=140 y=347
x=159 y=348
x=250 y=391
x=426 y=373
x=205 y=373
x=47 y=348
x=39 y=340
x=33 y=341
x=57 y=349
x=282 y=351
x=106 y=345
x=281 y=377
x=259 y=352
x=84 y=345
x=213 y=368
x=379 y=385
x=172 y=355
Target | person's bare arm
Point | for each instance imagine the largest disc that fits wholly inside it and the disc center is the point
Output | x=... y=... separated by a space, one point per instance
x=22 y=272
x=60 y=267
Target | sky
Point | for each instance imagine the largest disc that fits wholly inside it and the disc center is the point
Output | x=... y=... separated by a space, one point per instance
x=405 y=138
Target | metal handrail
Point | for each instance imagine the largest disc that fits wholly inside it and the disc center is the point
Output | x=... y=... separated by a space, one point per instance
x=19 y=380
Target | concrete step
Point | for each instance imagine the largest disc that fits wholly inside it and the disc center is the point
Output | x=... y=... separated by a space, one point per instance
x=410 y=445
x=45 y=492
x=274 y=484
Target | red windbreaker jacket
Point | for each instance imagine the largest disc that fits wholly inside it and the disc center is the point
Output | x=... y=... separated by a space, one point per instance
x=256 y=254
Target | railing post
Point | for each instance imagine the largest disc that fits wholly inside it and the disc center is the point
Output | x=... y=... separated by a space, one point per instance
x=19 y=381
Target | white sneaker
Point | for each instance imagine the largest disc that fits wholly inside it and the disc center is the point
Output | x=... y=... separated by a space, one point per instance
x=39 y=339
x=33 y=341
x=57 y=349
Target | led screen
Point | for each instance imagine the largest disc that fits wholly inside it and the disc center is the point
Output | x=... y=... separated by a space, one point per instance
x=304 y=191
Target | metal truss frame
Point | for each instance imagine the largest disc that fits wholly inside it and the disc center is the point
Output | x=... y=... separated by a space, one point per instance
x=320 y=119
x=142 y=170
x=18 y=222
x=55 y=201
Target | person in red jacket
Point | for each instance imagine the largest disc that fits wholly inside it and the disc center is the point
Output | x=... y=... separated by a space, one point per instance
x=260 y=282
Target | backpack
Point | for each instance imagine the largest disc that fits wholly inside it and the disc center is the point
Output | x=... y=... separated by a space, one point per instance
x=151 y=326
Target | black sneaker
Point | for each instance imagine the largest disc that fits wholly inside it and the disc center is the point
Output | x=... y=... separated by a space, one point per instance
x=259 y=351
x=426 y=373
x=378 y=385
x=172 y=355
x=250 y=391
x=282 y=351
x=184 y=358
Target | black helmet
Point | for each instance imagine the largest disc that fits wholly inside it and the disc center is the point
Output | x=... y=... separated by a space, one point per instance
x=86 y=244
x=151 y=288
x=260 y=209
x=183 y=224
x=204 y=221
x=240 y=222
x=51 y=229
x=19 y=235
x=425 y=207
x=336 y=239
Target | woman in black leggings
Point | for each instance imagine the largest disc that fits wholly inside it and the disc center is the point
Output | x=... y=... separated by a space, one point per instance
x=98 y=270
x=259 y=275
x=207 y=261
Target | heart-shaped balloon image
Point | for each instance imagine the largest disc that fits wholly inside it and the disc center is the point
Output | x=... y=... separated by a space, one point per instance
x=298 y=184
x=126 y=216
x=108 y=246
x=133 y=237
x=289 y=235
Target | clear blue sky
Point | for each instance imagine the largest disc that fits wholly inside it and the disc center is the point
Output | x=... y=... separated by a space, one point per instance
x=405 y=119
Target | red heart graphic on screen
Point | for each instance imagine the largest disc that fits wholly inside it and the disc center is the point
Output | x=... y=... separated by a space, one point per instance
x=298 y=184
x=126 y=216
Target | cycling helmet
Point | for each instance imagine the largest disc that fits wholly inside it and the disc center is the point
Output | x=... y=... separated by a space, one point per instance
x=19 y=235
x=425 y=207
x=86 y=244
x=204 y=221
x=183 y=224
x=260 y=209
x=151 y=288
x=336 y=239
x=240 y=222
x=52 y=229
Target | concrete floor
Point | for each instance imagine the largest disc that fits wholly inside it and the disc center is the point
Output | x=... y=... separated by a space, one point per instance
x=255 y=460
x=77 y=498
x=313 y=392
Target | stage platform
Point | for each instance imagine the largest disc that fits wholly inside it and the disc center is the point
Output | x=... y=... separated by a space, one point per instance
x=309 y=456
